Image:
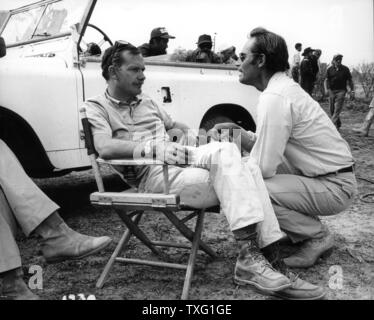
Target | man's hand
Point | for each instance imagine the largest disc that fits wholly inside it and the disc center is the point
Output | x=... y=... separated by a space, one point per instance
x=232 y=132
x=224 y=131
x=172 y=153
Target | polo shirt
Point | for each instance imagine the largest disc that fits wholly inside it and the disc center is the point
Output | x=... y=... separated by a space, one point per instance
x=337 y=78
x=140 y=120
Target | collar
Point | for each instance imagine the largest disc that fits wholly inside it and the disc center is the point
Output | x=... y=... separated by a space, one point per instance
x=133 y=103
x=274 y=78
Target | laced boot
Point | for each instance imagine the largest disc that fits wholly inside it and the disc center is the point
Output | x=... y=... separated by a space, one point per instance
x=253 y=269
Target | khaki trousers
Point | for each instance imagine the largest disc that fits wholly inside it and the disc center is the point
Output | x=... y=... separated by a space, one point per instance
x=21 y=203
x=299 y=200
x=219 y=175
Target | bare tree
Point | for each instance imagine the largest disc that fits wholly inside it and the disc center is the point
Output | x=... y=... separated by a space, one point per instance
x=363 y=75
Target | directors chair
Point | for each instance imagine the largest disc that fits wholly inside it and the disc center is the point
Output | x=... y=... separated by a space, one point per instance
x=131 y=205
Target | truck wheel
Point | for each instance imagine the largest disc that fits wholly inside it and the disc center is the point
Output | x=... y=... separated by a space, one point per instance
x=210 y=123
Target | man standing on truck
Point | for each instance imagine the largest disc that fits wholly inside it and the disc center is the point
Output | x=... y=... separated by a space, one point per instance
x=126 y=122
x=204 y=53
x=307 y=166
x=23 y=203
x=158 y=43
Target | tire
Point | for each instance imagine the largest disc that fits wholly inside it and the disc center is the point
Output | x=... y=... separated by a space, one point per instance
x=210 y=123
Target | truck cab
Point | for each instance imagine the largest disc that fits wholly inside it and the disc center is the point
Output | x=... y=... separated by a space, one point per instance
x=50 y=69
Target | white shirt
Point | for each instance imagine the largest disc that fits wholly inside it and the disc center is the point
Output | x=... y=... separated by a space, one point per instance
x=293 y=129
x=296 y=59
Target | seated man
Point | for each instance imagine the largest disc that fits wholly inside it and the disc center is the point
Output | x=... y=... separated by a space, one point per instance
x=126 y=123
x=23 y=203
x=307 y=165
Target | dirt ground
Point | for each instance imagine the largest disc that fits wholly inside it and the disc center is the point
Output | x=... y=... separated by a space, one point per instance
x=352 y=261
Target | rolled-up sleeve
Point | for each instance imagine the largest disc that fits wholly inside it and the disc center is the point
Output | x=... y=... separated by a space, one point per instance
x=98 y=118
x=165 y=117
x=274 y=126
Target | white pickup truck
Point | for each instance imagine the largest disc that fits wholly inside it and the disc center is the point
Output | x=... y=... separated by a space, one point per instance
x=47 y=74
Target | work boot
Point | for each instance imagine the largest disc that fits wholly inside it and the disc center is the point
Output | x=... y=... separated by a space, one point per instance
x=253 y=269
x=14 y=288
x=364 y=130
x=310 y=251
x=300 y=290
x=62 y=243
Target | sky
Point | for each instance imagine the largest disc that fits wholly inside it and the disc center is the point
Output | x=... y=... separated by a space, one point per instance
x=344 y=26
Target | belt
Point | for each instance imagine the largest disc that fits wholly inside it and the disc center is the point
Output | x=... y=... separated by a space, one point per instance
x=347 y=169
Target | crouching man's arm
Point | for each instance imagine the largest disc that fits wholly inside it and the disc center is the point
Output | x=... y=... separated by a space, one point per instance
x=236 y=132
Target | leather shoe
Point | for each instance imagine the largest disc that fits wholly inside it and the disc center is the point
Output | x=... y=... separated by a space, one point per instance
x=68 y=244
x=16 y=289
x=300 y=290
x=310 y=251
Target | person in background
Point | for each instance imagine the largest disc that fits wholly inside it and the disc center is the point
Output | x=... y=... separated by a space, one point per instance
x=315 y=62
x=227 y=54
x=204 y=53
x=307 y=75
x=296 y=59
x=338 y=78
x=158 y=43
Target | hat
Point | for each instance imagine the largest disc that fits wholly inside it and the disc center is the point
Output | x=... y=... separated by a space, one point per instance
x=337 y=56
x=307 y=50
x=161 y=33
x=204 y=38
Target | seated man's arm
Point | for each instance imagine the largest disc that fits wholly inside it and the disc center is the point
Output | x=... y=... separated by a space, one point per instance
x=109 y=148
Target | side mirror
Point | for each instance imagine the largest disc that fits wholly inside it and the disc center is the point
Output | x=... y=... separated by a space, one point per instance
x=2 y=47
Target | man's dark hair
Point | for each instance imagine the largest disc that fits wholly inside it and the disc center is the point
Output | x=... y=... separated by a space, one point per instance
x=113 y=56
x=274 y=48
x=298 y=45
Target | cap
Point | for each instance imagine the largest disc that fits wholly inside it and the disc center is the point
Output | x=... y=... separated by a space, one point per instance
x=307 y=50
x=337 y=56
x=161 y=32
x=204 y=38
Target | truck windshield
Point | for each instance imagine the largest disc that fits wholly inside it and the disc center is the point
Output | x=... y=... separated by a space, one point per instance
x=46 y=20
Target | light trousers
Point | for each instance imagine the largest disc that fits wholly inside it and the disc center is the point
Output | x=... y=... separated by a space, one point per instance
x=21 y=203
x=299 y=200
x=219 y=175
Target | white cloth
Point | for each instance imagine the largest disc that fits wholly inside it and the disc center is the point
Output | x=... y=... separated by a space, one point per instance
x=292 y=128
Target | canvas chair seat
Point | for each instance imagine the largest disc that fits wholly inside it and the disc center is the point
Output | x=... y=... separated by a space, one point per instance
x=131 y=204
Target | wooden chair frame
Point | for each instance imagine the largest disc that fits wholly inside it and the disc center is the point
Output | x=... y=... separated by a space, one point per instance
x=130 y=207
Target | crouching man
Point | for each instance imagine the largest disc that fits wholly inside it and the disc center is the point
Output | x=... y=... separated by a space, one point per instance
x=122 y=115
x=23 y=203
x=308 y=167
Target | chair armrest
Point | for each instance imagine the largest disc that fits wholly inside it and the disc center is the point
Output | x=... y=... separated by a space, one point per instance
x=129 y=162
